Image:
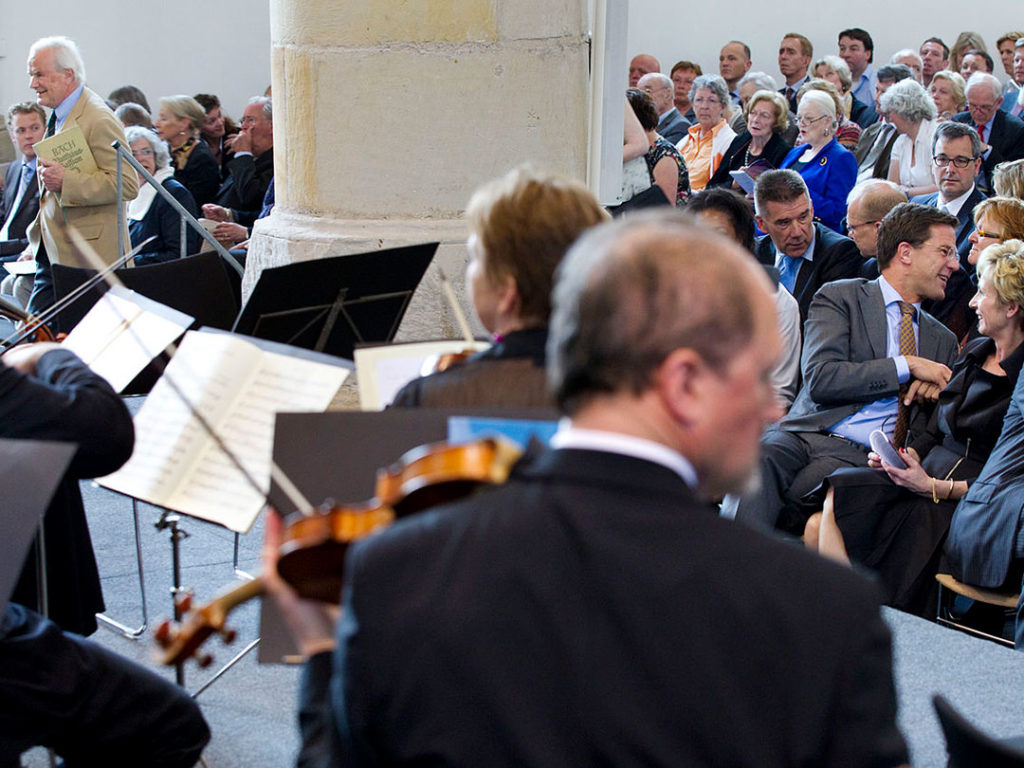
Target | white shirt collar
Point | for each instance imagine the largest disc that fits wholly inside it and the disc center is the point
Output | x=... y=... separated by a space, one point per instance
x=569 y=436
x=954 y=205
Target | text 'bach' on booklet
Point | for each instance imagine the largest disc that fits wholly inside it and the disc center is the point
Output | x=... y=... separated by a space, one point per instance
x=237 y=385
x=122 y=333
x=69 y=148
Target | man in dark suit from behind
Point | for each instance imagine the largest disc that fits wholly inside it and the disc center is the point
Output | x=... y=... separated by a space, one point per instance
x=856 y=371
x=874 y=147
x=540 y=623
x=26 y=122
x=672 y=126
x=807 y=253
x=1001 y=134
x=956 y=160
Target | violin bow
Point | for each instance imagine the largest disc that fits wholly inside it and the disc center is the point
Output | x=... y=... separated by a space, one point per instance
x=460 y=316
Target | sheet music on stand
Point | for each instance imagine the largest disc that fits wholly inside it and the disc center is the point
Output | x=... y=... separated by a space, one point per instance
x=238 y=385
x=30 y=471
x=123 y=332
x=330 y=305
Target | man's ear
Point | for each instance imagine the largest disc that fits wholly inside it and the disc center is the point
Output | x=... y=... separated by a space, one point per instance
x=904 y=252
x=509 y=301
x=682 y=381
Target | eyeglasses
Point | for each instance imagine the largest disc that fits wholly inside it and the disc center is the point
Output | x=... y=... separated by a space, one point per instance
x=803 y=120
x=960 y=161
x=854 y=227
x=982 y=233
x=142 y=153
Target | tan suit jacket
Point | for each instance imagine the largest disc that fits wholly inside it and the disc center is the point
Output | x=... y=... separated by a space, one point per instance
x=87 y=201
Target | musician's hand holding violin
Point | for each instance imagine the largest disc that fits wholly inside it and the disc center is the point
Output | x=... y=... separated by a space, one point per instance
x=311 y=622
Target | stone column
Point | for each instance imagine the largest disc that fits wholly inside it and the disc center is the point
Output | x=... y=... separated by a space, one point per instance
x=388 y=113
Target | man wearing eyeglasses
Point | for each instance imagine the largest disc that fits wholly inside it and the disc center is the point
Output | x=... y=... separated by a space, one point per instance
x=956 y=160
x=672 y=126
x=866 y=206
x=1001 y=134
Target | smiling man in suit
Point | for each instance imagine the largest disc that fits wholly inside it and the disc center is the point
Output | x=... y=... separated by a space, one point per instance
x=869 y=349
x=807 y=254
x=69 y=197
x=26 y=123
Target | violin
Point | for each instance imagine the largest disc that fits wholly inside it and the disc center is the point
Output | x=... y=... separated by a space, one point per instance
x=312 y=554
x=33 y=330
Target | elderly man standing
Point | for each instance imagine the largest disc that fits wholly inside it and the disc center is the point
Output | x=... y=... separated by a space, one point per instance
x=541 y=624
x=672 y=126
x=869 y=352
x=68 y=197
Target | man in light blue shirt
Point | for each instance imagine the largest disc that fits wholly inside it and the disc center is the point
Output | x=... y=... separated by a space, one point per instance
x=857 y=49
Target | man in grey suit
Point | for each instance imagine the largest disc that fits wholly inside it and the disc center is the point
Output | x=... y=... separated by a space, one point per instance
x=26 y=122
x=672 y=126
x=856 y=371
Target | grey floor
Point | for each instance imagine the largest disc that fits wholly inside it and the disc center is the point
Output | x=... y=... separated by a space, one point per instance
x=251 y=708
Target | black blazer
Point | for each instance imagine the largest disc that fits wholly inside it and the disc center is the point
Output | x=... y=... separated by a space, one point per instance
x=247 y=182
x=734 y=158
x=541 y=623
x=835 y=258
x=27 y=210
x=1006 y=140
x=201 y=174
x=862 y=114
x=163 y=221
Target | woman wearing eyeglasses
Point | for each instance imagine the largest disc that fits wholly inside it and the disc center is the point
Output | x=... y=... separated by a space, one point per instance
x=828 y=169
x=705 y=144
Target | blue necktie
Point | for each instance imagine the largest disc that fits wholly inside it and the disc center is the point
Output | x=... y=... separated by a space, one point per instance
x=789 y=267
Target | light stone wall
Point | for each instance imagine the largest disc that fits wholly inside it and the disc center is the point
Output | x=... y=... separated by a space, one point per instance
x=388 y=116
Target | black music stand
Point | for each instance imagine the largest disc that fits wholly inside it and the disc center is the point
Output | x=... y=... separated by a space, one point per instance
x=328 y=305
x=30 y=471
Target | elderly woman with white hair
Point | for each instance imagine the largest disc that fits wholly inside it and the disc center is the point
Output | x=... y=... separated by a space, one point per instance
x=909 y=108
x=179 y=122
x=837 y=72
x=149 y=214
x=828 y=169
x=706 y=142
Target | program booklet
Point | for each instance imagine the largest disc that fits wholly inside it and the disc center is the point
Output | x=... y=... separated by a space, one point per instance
x=69 y=148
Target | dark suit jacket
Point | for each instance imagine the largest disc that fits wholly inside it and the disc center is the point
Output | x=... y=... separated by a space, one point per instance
x=162 y=221
x=735 y=156
x=594 y=611
x=874 y=153
x=67 y=402
x=954 y=311
x=845 y=363
x=863 y=114
x=835 y=258
x=1006 y=139
x=28 y=208
x=247 y=182
x=201 y=174
x=982 y=534
x=673 y=126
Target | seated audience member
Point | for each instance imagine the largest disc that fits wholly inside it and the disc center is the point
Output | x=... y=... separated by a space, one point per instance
x=131 y=113
x=26 y=124
x=947 y=93
x=869 y=351
x=1013 y=91
x=1006 y=44
x=250 y=169
x=733 y=64
x=683 y=74
x=761 y=142
x=218 y=130
x=795 y=54
x=640 y=65
x=894 y=522
x=128 y=94
x=672 y=126
x=847 y=132
x=876 y=141
x=975 y=61
x=834 y=69
x=909 y=58
x=664 y=163
x=934 y=58
x=149 y=214
x=447 y=613
x=520 y=225
x=806 y=254
x=1001 y=134
x=828 y=169
x=87 y=703
x=857 y=49
x=866 y=206
x=996 y=220
x=1008 y=179
x=178 y=123
x=724 y=211
x=749 y=84
x=906 y=105
x=706 y=141
x=965 y=41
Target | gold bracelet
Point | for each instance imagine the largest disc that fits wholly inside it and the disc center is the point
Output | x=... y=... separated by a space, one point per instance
x=935 y=498
x=950 y=494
